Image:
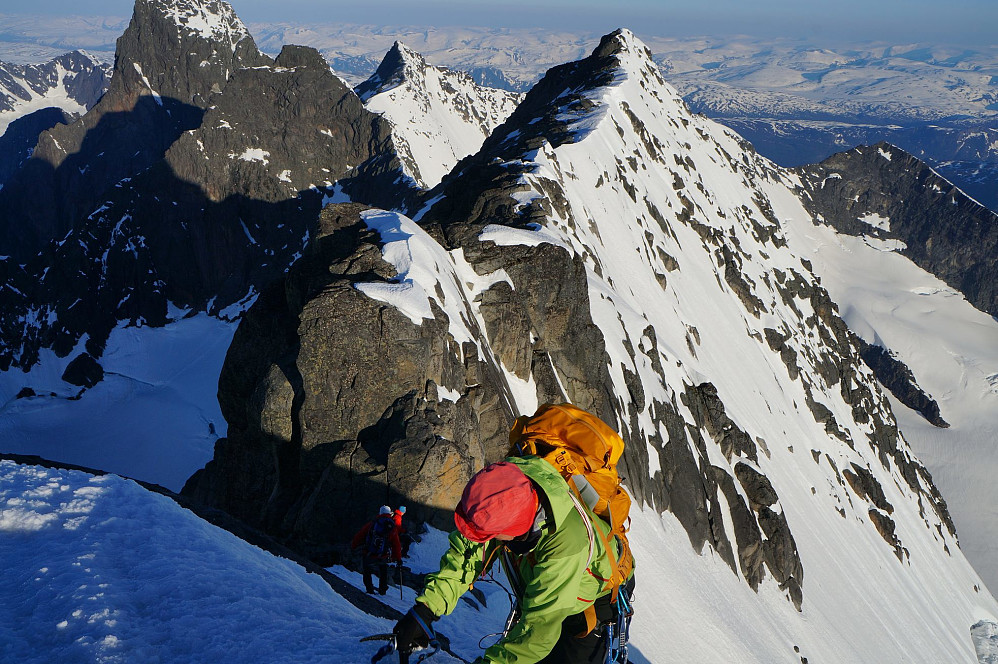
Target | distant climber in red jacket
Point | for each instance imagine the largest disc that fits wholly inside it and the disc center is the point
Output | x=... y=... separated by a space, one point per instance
x=405 y=539
x=379 y=544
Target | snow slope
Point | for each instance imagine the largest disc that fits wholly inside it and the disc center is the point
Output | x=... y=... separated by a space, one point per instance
x=97 y=569
x=154 y=417
x=952 y=349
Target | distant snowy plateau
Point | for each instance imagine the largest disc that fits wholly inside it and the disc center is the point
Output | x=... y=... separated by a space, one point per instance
x=512 y=229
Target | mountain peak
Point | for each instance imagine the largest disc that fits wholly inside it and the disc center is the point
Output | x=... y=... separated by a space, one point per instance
x=211 y=19
x=572 y=99
x=405 y=52
x=437 y=113
x=619 y=41
x=183 y=49
x=399 y=64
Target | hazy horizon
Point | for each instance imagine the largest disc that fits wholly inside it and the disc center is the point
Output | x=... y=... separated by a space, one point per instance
x=958 y=22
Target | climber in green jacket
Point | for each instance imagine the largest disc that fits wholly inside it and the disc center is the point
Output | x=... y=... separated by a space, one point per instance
x=522 y=512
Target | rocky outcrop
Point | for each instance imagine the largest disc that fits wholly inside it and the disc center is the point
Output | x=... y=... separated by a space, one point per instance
x=334 y=399
x=899 y=379
x=762 y=534
x=83 y=371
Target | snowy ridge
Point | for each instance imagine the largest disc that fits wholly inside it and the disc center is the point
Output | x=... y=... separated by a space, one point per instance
x=703 y=286
x=438 y=116
x=62 y=83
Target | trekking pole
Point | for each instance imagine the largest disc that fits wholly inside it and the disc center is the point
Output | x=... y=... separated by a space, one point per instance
x=400 y=579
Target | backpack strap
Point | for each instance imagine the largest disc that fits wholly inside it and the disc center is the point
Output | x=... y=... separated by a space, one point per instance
x=590 y=614
x=577 y=502
x=615 y=579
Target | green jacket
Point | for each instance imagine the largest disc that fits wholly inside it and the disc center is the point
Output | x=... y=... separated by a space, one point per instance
x=556 y=580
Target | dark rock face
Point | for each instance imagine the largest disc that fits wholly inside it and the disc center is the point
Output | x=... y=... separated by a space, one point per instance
x=164 y=75
x=305 y=456
x=898 y=378
x=84 y=371
x=388 y=74
x=221 y=213
x=944 y=232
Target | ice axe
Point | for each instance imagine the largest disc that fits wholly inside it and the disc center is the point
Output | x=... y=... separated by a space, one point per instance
x=392 y=646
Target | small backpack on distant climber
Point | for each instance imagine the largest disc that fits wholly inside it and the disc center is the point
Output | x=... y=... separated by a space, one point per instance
x=585 y=450
x=378 y=543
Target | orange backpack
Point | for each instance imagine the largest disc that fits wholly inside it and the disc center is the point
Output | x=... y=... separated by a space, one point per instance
x=585 y=451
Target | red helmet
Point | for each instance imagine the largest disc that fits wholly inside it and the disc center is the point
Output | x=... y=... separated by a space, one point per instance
x=499 y=500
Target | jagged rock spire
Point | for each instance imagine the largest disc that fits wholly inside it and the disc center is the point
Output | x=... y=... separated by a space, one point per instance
x=172 y=57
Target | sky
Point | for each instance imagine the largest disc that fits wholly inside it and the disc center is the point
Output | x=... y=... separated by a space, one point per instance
x=966 y=22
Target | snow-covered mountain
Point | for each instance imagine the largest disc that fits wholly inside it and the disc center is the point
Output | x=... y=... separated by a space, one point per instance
x=438 y=116
x=884 y=265
x=603 y=246
x=34 y=98
x=608 y=248
x=72 y=82
x=797 y=102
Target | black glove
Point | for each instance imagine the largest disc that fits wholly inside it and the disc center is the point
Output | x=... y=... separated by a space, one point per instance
x=414 y=629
